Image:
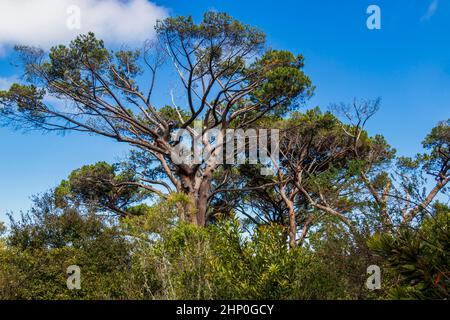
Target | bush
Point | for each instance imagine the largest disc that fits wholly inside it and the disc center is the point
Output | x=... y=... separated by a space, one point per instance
x=154 y=255
x=420 y=258
x=41 y=246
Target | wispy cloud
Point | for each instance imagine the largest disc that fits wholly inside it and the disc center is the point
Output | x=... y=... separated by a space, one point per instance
x=5 y=83
x=432 y=8
x=45 y=22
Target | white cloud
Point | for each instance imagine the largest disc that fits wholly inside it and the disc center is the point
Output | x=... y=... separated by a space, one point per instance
x=45 y=22
x=432 y=8
x=5 y=83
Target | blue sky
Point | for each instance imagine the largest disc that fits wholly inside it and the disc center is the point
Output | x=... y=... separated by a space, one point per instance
x=406 y=63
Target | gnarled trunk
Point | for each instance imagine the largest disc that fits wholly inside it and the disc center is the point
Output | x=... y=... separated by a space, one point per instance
x=197 y=189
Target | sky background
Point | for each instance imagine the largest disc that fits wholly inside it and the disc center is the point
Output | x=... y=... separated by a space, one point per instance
x=406 y=63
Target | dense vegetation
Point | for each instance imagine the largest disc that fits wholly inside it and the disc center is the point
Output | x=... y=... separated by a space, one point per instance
x=337 y=201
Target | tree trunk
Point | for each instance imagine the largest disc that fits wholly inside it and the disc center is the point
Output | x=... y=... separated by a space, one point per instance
x=292 y=218
x=202 y=202
x=292 y=228
x=197 y=189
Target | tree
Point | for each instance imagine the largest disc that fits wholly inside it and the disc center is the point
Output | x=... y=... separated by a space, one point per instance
x=329 y=167
x=229 y=80
x=435 y=163
x=400 y=189
x=318 y=174
x=100 y=187
x=314 y=164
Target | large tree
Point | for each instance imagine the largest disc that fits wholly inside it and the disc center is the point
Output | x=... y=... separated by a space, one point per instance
x=229 y=79
x=400 y=190
x=334 y=168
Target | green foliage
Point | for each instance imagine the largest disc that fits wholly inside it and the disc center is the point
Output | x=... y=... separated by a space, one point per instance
x=26 y=98
x=439 y=137
x=154 y=255
x=341 y=259
x=2 y=240
x=438 y=141
x=420 y=258
x=42 y=246
x=260 y=267
x=68 y=62
x=223 y=261
x=99 y=185
x=214 y=27
x=284 y=79
x=2 y=228
x=171 y=114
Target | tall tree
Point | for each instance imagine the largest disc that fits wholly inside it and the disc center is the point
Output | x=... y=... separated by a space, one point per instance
x=408 y=181
x=329 y=167
x=316 y=175
x=229 y=79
